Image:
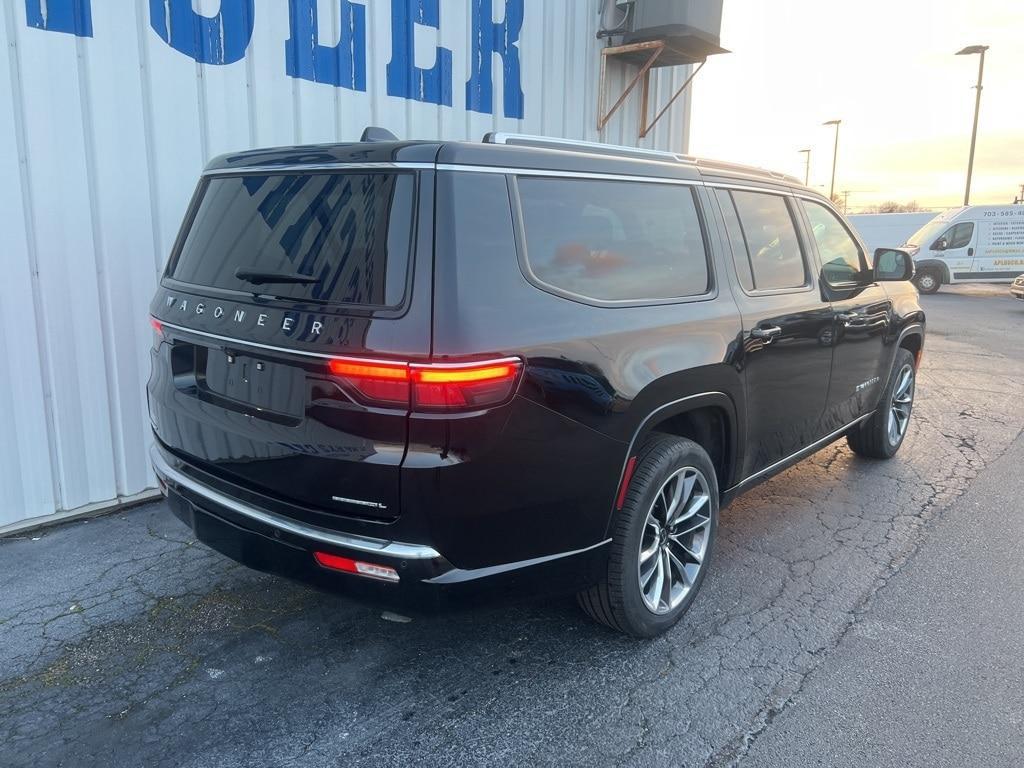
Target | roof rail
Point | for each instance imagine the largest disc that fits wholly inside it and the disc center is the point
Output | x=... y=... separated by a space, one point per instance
x=593 y=147
x=750 y=170
x=550 y=142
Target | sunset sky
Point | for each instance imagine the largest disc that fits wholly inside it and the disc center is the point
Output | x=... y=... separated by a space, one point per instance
x=887 y=70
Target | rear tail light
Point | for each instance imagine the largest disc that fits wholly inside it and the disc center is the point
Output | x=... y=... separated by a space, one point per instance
x=358 y=567
x=474 y=385
x=429 y=387
x=158 y=331
x=374 y=383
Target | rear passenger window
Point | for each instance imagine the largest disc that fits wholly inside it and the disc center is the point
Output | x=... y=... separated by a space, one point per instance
x=614 y=240
x=739 y=246
x=771 y=242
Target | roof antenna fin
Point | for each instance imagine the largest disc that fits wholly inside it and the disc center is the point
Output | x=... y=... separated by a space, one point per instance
x=373 y=133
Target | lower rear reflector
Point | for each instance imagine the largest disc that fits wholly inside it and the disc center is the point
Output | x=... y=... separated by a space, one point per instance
x=357 y=567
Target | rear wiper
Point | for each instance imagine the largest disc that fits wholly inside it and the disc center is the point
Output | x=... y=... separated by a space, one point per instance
x=262 y=278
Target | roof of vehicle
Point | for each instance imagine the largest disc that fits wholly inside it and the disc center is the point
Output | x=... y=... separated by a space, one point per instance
x=511 y=151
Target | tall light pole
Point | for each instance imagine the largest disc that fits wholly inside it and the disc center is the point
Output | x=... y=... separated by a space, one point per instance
x=835 y=154
x=807 y=166
x=972 y=49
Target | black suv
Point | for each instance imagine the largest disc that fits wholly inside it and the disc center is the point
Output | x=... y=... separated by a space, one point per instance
x=416 y=367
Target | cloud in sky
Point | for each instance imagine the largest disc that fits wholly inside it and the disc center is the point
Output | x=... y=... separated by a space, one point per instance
x=887 y=70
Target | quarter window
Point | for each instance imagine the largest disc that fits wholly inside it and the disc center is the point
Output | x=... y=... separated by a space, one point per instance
x=842 y=259
x=614 y=240
x=771 y=242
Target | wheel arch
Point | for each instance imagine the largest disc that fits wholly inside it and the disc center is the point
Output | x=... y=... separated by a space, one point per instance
x=912 y=339
x=934 y=265
x=708 y=418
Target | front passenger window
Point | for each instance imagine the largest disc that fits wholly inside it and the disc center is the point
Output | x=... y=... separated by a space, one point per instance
x=842 y=259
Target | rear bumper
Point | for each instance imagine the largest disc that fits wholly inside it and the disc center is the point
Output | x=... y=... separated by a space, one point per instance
x=270 y=542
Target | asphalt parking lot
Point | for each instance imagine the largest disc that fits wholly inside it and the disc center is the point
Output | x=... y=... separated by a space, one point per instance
x=858 y=613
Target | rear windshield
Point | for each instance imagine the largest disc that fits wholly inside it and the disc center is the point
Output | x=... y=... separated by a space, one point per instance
x=349 y=233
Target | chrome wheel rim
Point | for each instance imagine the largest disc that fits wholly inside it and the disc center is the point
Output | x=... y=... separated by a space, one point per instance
x=926 y=281
x=674 y=541
x=901 y=404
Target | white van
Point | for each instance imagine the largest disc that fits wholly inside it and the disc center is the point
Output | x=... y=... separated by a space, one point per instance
x=974 y=244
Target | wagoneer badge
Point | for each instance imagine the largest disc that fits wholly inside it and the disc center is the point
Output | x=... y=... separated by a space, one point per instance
x=237 y=315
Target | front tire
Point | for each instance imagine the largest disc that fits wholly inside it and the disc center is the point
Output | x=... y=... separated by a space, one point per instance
x=662 y=540
x=882 y=435
x=928 y=281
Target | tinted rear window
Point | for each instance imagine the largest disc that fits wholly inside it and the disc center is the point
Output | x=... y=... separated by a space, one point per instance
x=350 y=231
x=614 y=240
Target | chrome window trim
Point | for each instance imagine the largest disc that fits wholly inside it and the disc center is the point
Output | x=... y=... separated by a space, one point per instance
x=501 y=169
x=511 y=171
x=314 y=167
x=814 y=198
x=360 y=543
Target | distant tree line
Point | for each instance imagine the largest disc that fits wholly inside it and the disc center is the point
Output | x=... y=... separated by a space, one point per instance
x=891 y=206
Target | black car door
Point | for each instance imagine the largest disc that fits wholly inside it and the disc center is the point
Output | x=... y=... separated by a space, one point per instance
x=863 y=313
x=787 y=326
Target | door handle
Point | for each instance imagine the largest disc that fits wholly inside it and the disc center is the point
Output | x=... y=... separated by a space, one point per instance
x=766 y=334
x=970 y=251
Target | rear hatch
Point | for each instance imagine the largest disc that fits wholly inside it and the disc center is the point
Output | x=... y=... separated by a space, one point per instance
x=276 y=275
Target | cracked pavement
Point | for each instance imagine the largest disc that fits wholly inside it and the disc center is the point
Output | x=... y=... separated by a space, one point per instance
x=126 y=643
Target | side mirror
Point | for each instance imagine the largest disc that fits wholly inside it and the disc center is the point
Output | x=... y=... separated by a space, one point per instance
x=940 y=245
x=893 y=265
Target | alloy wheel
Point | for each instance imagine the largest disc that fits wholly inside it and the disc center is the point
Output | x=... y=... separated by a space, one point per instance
x=674 y=540
x=901 y=405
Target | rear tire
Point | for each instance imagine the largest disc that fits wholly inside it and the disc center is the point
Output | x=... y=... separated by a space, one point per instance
x=881 y=436
x=666 y=526
x=928 y=281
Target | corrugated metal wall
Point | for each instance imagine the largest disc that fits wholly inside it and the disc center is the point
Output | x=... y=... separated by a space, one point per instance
x=107 y=117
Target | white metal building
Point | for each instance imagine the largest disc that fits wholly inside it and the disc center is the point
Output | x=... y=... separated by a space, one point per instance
x=108 y=111
x=888 y=230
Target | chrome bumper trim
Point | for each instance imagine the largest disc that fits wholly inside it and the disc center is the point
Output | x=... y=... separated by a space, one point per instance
x=383 y=547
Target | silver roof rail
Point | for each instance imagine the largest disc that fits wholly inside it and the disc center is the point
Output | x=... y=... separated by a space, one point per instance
x=740 y=168
x=550 y=142
x=596 y=147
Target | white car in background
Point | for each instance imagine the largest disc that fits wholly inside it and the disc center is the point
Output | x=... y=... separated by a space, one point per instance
x=974 y=244
x=1017 y=289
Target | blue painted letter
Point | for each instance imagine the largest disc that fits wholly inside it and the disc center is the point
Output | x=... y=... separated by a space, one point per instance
x=405 y=79
x=490 y=38
x=220 y=39
x=72 y=16
x=344 y=65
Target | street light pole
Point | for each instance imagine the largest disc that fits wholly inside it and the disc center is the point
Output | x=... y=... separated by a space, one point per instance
x=971 y=49
x=835 y=155
x=807 y=166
